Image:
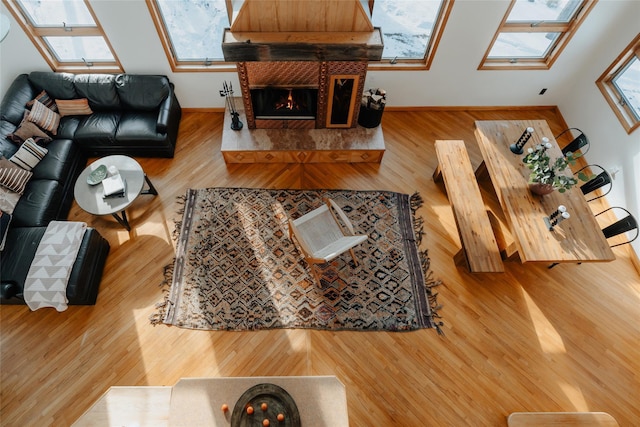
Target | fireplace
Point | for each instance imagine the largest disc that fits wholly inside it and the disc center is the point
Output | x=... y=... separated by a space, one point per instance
x=299 y=94
x=282 y=103
x=302 y=72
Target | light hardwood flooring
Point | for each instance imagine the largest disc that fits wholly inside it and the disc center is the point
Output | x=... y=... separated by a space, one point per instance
x=530 y=339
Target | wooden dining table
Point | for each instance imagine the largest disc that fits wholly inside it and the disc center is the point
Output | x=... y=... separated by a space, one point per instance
x=576 y=239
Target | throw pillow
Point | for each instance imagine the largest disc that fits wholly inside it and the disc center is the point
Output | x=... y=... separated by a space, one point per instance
x=8 y=200
x=44 y=98
x=5 y=220
x=74 y=107
x=28 y=130
x=12 y=176
x=29 y=155
x=44 y=117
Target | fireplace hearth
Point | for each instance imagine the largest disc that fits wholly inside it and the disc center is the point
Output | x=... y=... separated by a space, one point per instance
x=278 y=103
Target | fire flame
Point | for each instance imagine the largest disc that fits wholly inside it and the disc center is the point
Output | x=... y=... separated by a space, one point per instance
x=290 y=101
x=289 y=104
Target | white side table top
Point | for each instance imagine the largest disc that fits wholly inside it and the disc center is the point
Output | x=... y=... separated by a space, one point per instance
x=89 y=197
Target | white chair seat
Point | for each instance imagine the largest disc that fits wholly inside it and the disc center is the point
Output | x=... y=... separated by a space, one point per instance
x=321 y=236
x=339 y=247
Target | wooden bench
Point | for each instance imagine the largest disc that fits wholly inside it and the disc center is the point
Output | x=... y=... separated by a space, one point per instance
x=479 y=247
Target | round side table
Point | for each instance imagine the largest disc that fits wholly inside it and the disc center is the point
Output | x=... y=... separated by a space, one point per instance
x=91 y=198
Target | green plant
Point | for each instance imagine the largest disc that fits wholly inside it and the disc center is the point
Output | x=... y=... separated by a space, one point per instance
x=544 y=171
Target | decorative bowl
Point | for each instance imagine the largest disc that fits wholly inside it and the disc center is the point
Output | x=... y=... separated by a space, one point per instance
x=97 y=175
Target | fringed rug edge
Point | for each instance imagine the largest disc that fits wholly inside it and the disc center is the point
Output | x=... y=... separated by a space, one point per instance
x=167 y=272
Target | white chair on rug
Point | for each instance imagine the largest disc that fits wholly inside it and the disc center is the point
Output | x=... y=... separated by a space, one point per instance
x=322 y=237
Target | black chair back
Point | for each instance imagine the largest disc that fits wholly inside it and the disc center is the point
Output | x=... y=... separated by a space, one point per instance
x=598 y=181
x=579 y=142
x=624 y=225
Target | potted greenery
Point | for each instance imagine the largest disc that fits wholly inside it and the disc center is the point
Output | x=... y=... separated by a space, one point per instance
x=547 y=176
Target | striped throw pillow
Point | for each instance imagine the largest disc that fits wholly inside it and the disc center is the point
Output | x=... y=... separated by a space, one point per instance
x=73 y=107
x=44 y=98
x=44 y=117
x=28 y=130
x=13 y=177
x=28 y=155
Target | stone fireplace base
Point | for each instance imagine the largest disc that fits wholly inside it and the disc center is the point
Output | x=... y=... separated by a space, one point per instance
x=352 y=145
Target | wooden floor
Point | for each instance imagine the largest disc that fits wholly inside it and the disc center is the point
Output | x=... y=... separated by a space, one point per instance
x=529 y=339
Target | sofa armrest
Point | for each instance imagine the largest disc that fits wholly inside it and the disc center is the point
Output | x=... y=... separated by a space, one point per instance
x=164 y=114
x=15 y=98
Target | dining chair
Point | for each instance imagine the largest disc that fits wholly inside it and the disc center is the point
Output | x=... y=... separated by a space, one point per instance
x=323 y=234
x=625 y=224
x=602 y=179
x=578 y=142
x=620 y=226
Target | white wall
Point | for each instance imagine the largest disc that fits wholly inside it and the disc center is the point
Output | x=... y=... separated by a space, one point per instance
x=583 y=105
x=453 y=80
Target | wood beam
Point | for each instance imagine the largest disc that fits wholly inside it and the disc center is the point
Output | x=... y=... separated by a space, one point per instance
x=302 y=46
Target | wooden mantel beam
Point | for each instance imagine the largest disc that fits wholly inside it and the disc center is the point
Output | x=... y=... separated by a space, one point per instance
x=302 y=46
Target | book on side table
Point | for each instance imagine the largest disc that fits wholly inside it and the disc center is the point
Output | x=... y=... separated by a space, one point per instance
x=114 y=186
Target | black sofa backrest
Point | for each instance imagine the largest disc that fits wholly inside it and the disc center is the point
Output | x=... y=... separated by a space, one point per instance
x=142 y=92
x=57 y=85
x=13 y=103
x=99 y=89
x=105 y=92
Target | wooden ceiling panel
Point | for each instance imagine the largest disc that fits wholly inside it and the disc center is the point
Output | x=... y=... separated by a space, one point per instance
x=302 y=16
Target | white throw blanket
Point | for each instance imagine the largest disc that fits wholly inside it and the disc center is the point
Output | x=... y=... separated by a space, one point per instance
x=46 y=283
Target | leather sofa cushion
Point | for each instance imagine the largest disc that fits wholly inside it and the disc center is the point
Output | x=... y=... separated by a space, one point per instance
x=15 y=100
x=68 y=127
x=7 y=148
x=58 y=162
x=39 y=204
x=98 y=128
x=99 y=89
x=6 y=127
x=87 y=270
x=57 y=85
x=139 y=127
x=142 y=92
x=20 y=248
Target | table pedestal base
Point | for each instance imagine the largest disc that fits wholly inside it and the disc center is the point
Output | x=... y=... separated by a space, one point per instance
x=122 y=216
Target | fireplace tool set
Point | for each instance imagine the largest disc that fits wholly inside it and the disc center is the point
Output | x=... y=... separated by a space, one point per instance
x=227 y=92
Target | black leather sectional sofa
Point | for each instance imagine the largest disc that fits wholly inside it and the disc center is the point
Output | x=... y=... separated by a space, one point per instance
x=136 y=115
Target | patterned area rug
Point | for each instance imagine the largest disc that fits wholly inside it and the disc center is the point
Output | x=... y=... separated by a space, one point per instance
x=236 y=269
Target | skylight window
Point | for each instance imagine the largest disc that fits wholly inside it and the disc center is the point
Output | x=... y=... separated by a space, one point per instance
x=620 y=85
x=534 y=32
x=67 y=34
x=191 y=31
x=410 y=29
